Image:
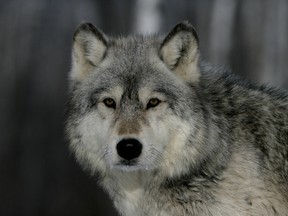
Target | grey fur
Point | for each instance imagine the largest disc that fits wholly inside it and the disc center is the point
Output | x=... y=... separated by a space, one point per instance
x=226 y=149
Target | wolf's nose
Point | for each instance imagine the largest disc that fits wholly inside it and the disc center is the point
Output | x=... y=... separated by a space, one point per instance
x=129 y=148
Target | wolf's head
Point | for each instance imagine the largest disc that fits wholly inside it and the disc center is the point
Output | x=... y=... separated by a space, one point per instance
x=134 y=103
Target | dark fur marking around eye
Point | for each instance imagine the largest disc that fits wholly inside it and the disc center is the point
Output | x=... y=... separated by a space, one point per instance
x=110 y=103
x=95 y=96
x=153 y=102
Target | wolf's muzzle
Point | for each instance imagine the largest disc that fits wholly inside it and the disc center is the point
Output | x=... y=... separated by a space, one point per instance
x=129 y=149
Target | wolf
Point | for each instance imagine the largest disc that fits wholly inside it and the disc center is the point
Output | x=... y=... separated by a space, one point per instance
x=168 y=134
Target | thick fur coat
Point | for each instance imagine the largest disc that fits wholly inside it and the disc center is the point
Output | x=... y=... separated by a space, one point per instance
x=167 y=134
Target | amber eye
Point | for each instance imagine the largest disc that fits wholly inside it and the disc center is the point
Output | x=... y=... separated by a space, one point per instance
x=109 y=102
x=153 y=102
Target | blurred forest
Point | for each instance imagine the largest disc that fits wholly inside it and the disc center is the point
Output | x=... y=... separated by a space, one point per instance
x=38 y=175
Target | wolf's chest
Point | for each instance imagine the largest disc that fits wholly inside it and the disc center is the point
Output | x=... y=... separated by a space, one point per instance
x=132 y=201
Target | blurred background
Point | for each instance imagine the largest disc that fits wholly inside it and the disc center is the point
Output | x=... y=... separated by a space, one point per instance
x=38 y=175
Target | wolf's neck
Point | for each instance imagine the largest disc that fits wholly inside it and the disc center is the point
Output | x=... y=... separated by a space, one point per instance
x=126 y=189
x=118 y=182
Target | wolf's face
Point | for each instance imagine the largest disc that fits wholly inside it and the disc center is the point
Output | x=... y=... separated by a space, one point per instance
x=131 y=99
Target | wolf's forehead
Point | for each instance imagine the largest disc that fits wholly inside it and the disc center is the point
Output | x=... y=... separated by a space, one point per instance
x=131 y=60
x=135 y=46
x=132 y=64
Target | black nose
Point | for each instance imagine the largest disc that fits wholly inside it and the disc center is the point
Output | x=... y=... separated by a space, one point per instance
x=129 y=148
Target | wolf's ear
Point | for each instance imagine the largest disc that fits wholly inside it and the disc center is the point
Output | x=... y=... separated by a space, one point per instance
x=89 y=47
x=179 y=51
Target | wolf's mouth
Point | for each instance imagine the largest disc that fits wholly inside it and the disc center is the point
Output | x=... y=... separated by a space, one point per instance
x=127 y=165
x=127 y=162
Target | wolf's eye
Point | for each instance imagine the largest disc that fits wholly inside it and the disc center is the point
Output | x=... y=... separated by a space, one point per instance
x=109 y=102
x=153 y=102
